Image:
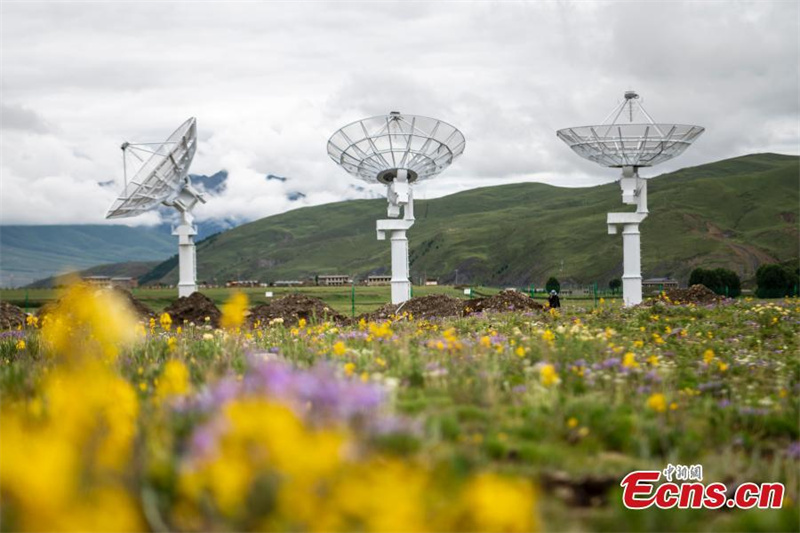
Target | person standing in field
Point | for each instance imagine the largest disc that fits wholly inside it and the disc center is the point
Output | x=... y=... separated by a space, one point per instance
x=554 y=300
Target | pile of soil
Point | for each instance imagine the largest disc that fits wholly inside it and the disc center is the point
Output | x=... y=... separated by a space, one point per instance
x=194 y=308
x=141 y=310
x=501 y=302
x=11 y=316
x=427 y=307
x=291 y=308
x=696 y=294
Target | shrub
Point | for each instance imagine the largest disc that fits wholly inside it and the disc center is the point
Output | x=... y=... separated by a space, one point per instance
x=774 y=281
x=720 y=280
x=615 y=285
x=552 y=285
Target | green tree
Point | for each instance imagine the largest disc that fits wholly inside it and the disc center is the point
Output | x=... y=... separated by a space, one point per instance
x=615 y=285
x=774 y=281
x=720 y=280
x=552 y=285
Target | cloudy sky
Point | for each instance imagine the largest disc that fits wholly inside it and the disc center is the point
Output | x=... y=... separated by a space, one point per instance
x=270 y=82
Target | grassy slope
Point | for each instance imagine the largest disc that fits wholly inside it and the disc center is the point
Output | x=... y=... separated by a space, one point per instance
x=35 y=252
x=736 y=213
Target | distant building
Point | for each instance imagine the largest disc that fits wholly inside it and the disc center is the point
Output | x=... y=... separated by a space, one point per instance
x=334 y=280
x=288 y=283
x=659 y=284
x=99 y=281
x=243 y=283
x=124 y=282
x=379 y=280
x=431 y=282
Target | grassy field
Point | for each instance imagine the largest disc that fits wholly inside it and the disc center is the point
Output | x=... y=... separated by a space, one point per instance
x=339 y=298
x=506 y=422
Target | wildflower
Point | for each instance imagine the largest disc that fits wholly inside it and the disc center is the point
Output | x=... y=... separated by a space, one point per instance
x=166 y=321
x=629 y=361
x=349 y=368
x=497 y=504
x=20 y=344
x=673 y=406
x=302 y=323
x=32 y=320
x=548 y=375
x=548 y=336
x=485 y=341
x=520 y=351
x=722 y=366
x=653 y=360
x=171 y=343
x=572 y=422
x=234 y=311
x=89 y=323
x=339 y=349
x=708 y=356
x=174 y=380
x=657 y=402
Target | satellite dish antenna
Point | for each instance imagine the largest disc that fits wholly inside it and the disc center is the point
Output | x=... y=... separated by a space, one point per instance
x=629 y=138
x=162 y=179
x=396 y=150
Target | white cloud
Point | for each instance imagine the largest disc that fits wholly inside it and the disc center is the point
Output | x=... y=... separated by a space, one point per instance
x=270 y=82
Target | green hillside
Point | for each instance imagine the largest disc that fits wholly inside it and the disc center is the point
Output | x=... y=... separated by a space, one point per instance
x=29 y=253
x=736 y=213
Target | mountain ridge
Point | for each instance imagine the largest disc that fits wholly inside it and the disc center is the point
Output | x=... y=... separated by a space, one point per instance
x=521 y=233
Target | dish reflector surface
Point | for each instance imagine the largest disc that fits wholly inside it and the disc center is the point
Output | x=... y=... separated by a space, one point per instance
x=373 y=149
x=638 y=144
x=161 y=175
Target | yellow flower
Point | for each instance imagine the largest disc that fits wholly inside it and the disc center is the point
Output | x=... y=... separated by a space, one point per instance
x=572 y=422
x=339 y=348
x=653 y=360
x=485 y=341
x=657 y=402
x=174 y=380
x=548 y=335
x=520 y=351
x=349 y=368
x=234 y=311
x=629 y=361
x=32 y=320
x=302 y=323
x=722 y=366
x=166 y=321
x=89 y=323
x=548 y=375
x=20 y=344
x=498 y=504
x=708 y=356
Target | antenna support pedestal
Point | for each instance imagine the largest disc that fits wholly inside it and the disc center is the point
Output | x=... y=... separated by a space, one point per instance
x=187 y=258
x=399 y=196
x=634 y=191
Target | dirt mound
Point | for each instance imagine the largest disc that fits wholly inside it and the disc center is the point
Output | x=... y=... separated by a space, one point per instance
x=11 y=316
x=194 y=308
x=504 y=301
x=141 y=310
x=291 y=308
x=427 y=307
x=696 y=294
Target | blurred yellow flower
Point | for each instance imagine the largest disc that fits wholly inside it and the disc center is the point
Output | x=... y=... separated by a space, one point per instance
x=548 y=375
x=234 y=311
x=657 y=402
x=339 y=348
x=166 y=321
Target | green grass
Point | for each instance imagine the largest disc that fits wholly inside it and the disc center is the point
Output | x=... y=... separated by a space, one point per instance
x=339 y=298
x=736 y=213
x=464 y=399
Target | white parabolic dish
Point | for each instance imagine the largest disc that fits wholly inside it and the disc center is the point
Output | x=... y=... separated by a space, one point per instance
x=373 y=149
x=161 y=176
x=625 y=143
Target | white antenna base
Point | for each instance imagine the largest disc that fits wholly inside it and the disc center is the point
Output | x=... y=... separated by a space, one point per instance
x=396 y=229
x=187 y=259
